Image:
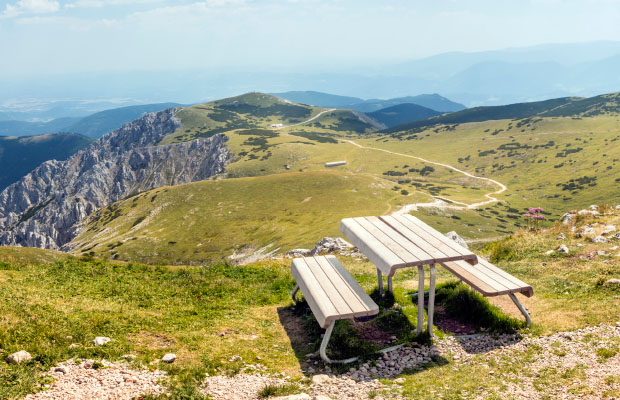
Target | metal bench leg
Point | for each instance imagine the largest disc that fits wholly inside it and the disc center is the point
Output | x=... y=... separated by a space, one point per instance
x=521 y=308
x=431 y=300
x=295 y=293
x=418 y=329
x=390 y=285
x=380 y=281
x=323 y=348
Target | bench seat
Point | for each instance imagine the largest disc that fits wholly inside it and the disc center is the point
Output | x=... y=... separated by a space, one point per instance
x=487 y=279
x=331 y=292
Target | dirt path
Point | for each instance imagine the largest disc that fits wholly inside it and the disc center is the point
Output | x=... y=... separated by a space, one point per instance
x=438 y=203
x=308 y=120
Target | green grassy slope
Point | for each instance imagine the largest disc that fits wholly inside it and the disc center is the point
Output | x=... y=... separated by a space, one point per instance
x=205 y=315
x=478 y=114
x=248 y=111
x=20 y=155
x=208 y=220
x=557 y=163
x=401 y=114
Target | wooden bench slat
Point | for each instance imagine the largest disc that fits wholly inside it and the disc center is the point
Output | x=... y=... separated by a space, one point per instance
x=316 y=297
x=331 y=292
x=492 y=277
x=506 y=275
x=455 y=247
x=472 y=280
x=352 y=292
x=484 y=277
x=376 y=252
x=434 y=248
x=408 y=245
x=325 y=281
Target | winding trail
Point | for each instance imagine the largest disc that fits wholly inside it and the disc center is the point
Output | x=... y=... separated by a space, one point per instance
x=306 y=121
x=439 y=203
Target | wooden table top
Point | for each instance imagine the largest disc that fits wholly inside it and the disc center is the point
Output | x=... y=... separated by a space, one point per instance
x=402 y=241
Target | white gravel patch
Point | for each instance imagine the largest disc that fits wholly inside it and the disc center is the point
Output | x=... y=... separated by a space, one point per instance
x=79 y=381
x=562 y=351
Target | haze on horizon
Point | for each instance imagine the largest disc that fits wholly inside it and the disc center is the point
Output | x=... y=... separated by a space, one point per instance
x=43 y=37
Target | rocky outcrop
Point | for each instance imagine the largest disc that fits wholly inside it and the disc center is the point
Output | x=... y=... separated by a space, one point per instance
x=45 y=207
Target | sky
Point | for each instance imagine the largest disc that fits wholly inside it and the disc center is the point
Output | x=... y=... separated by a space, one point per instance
x=39 y=37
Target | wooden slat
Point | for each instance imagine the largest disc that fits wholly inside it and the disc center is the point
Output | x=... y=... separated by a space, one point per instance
x=405 y=243
x=438 y=235
x=371 y=307
x=506 y=275
x=432 y=247
x=342 y=289
x=417 y=235
x=386 y=240
x=313 y=293
x=490 y=276
x=376 y=252
x=472 y=280
x=357 y=306
x=484 y=278
x=342 y=308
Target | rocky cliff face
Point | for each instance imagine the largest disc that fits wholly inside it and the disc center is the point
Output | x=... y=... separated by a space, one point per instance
x=45 y=207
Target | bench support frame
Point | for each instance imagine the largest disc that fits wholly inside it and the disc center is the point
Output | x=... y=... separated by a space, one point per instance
x=514 y=299
x=328 y=335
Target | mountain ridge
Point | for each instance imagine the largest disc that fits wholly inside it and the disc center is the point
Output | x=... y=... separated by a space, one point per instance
x=434 y=101
x=560 y=107
x=45 y=207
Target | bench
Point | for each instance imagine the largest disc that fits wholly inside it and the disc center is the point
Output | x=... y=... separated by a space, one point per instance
x=490 y=281
x=332 y=294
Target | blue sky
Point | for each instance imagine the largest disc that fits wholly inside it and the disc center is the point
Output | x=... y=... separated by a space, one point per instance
x=66 y=36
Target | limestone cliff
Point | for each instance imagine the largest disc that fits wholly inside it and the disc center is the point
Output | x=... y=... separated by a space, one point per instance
x=45 y=207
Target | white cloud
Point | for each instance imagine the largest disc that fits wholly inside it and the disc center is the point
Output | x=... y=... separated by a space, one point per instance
x=30 y=7
x=103 y=3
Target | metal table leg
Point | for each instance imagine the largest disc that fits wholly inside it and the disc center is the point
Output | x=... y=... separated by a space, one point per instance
x=390 y=285
x=380 y=281
x=420 y=299
x=431 y=300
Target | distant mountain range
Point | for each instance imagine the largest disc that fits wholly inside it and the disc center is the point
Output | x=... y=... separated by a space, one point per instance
x=401 y=114
x=432 y=101
x=93 y=126
x=574 y=107
x=20 y=155
x=505 y=76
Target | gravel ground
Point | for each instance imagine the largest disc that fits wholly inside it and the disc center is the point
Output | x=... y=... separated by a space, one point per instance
x=80 y=381
x=565 y=365
x=559 y=352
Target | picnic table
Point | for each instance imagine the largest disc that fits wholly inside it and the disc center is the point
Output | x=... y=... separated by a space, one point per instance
x=403 y=241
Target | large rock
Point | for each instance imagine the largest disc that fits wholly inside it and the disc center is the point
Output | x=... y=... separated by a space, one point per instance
x=320 y=379
x=101 y=340
x=567 y=218
x=599 y=239
x=455 y=236
x=298 y=253
x=169 y=358
x=331 y=245
x=21 y=356
x=300 y=396
x=44 y=209
x=563 y=249
x=613 y=282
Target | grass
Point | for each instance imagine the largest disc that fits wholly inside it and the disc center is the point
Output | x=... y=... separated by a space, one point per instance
x=210 y=220
x=208 y=314
x=279 y=390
